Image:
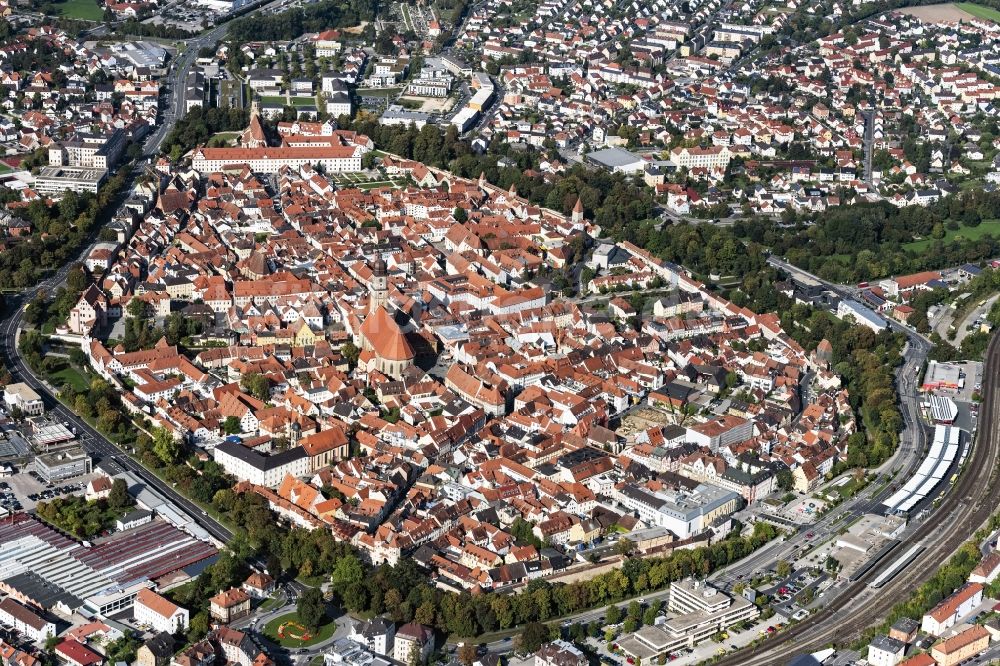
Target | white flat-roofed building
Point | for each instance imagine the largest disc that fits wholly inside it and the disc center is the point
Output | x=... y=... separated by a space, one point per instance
x=481 y=99
x=942 y=376
x=397 y=115
x=429 y=87
x=689 y=596
x=23 y=397
x=456 y=66
x=686 y=513
x=58 y=179
x=113 y=598
x=617 y=160
x=464 y=119
x=702 y=611
x=47 y=434
x=861 y=315
x=348 y=652
x=63 y=464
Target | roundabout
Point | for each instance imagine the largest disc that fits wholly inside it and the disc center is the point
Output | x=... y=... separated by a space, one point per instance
x=288 y=631
x=294 y=630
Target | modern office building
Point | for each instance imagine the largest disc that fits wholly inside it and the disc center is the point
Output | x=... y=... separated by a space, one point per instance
x=698 y=611
x=686 y=513
x=23 y=397
x=55 y=180
x=63 y=464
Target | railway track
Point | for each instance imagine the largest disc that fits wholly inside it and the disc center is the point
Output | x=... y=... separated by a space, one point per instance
x=962 y=511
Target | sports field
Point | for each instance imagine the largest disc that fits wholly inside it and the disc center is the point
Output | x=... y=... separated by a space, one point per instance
x=87 y=10
x=952 y=12
x=987 y=13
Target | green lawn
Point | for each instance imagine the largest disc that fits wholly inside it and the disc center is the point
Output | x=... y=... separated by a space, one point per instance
x=5 y=168
x=87 y=10
x=283 y=101
x=271 y=631
x=378 y=92
x=78 y=380
x=968 y=233
x=270 y=604
x=980 y=11
x=851 y=488
x=223 y=138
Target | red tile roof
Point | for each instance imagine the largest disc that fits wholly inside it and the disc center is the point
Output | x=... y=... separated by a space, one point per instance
x=78 y=653
x=385 y=337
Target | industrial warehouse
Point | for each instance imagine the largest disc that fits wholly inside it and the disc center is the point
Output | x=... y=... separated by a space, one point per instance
x=41 y=567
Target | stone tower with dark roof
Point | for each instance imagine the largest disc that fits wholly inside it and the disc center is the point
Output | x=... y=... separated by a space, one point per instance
x=380 y=285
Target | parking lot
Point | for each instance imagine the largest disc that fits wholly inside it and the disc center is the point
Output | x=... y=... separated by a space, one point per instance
x=795 y=595
x=968 y=409
x=27 y=489
x=732 y=639
x=188 y=16
x=8 y=499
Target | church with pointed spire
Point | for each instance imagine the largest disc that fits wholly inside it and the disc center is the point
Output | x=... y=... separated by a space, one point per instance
x=387 y=349
x=253 y=136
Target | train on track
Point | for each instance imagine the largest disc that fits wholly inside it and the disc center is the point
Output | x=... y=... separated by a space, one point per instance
x=893 y=570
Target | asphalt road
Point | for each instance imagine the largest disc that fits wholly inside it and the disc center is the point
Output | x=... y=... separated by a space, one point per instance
x=175 y=80
x=175 y=88
x=93 y=441
x=962 y=511
x=903 y=463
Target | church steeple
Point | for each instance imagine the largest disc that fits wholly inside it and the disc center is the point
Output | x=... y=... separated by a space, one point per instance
x=380 y=285
x=253 y=136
